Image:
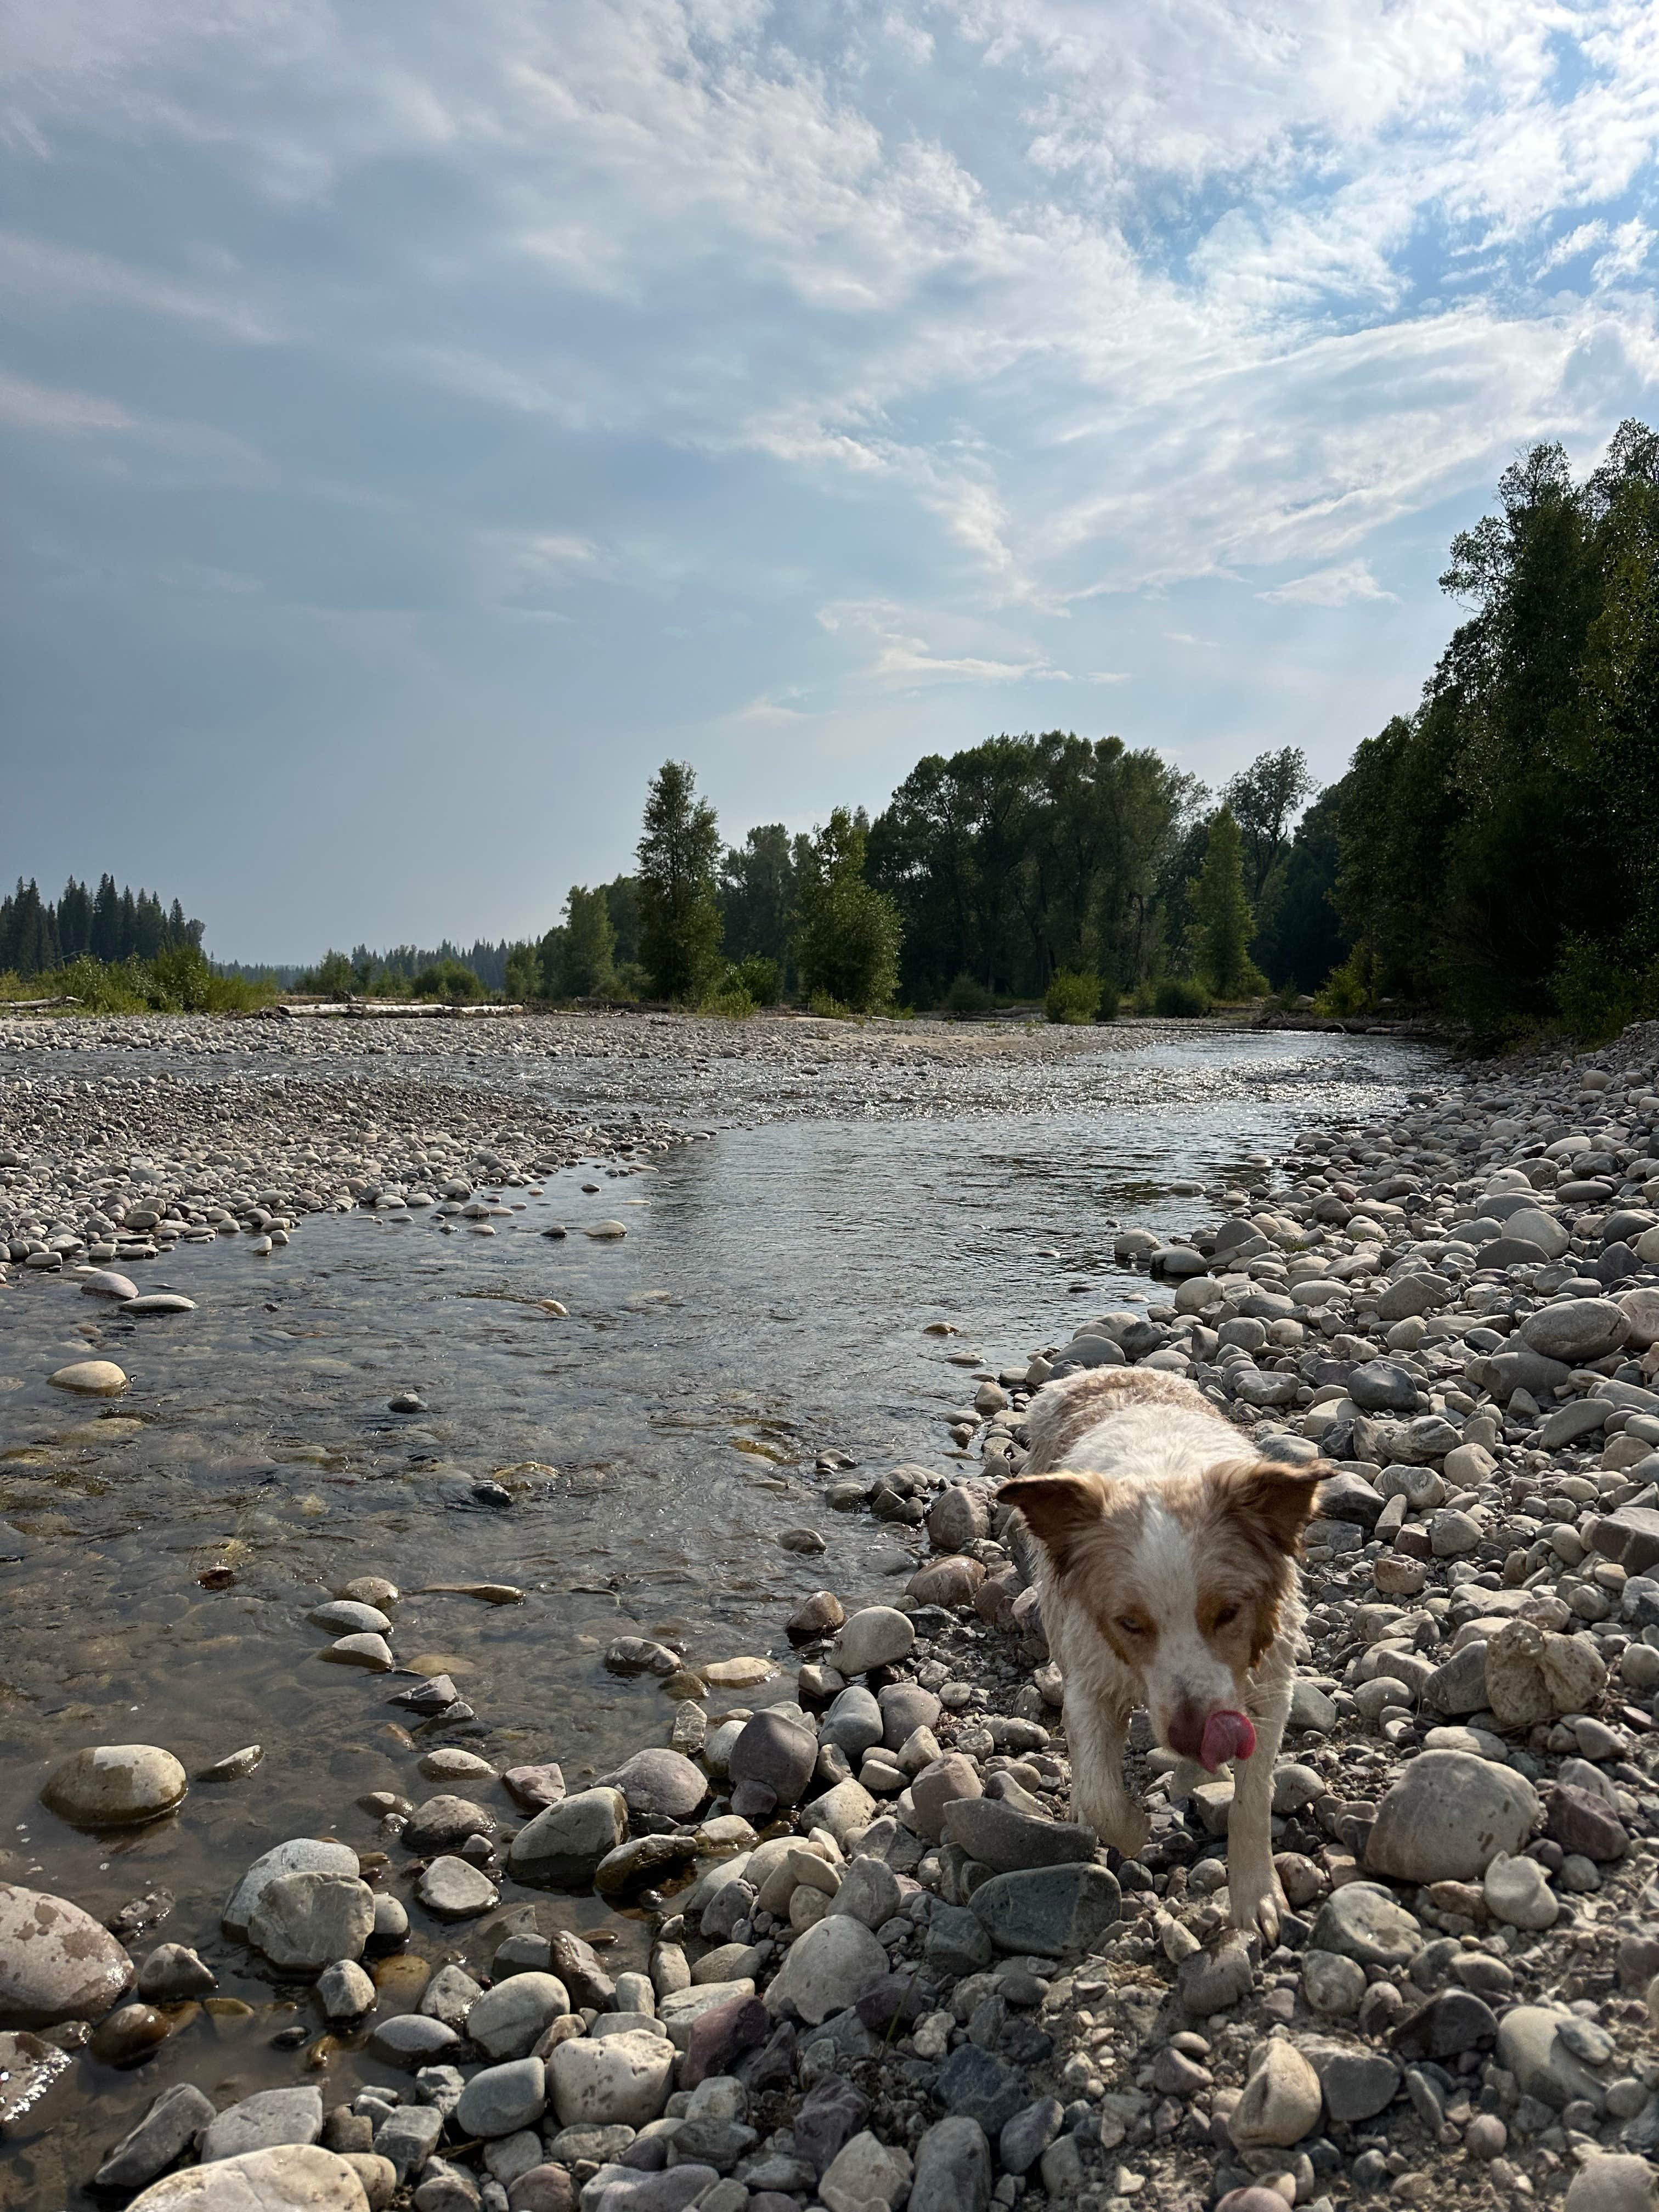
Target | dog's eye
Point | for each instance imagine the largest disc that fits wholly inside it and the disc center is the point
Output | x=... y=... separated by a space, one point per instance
x=1225 y=1618
x=1130 y=1627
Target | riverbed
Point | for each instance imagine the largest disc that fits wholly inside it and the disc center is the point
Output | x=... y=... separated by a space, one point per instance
x=630 y=1464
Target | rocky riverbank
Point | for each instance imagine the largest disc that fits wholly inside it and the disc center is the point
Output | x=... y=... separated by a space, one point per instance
x=832 y=1939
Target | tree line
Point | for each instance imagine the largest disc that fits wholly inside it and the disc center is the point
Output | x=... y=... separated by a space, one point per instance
x=37 y=936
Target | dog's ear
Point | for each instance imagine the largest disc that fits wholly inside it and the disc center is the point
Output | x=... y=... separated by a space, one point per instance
x=1059 y=1508
x=1272 y=1500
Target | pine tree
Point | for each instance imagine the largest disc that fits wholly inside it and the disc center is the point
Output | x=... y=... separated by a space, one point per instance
x=679 y=914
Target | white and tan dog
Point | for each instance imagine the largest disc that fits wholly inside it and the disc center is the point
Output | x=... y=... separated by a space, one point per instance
x=1167 y=1568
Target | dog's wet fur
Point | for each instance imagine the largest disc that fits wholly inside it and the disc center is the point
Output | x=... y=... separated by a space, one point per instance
x=1167 y=1567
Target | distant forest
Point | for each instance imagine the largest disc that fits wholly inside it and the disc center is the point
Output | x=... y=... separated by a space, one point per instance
x=107 y=924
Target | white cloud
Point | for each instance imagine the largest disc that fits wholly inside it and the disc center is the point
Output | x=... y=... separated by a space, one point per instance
x=1329 y=588
x=26 y=406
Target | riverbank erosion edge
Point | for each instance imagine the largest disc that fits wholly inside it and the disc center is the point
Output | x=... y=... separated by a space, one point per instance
x=858 y=1953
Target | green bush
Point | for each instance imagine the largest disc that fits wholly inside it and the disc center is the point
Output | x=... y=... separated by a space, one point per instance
x=1073 y=996
x=968 y=996
x=732 y=1003
x=451 y=979
x=1601 y=989
x=628 y=981
x=1182 y=997
x=1347 y=989
x=763 y=979
x=831 y=1009
x=180 y=981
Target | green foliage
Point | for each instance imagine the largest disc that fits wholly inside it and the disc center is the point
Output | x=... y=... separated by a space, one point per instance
x=586 y=948
x=109 y=926
x=850 y=933
x=1299 y=935
x=1029 y=854
x=1500 y=849
x=761 y=978
x=180 y=979
x=967 y=995
x=1221 y=911
x=630 y=981
x=730 y=1002
x=1347 y=989
x=1181 y=996
x=759 y=896
x=679 y=912
x=524 y=973
x=333 y=977
x=1072 y=996
x=1264 y=800
x=1600 y=989
x=828 y=1007
x=451 y=979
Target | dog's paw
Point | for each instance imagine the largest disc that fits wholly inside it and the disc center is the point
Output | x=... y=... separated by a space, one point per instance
x=1256 y=1906
x=1124 y=1826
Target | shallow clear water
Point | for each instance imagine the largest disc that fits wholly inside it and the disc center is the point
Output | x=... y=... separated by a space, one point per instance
x=768 y=1304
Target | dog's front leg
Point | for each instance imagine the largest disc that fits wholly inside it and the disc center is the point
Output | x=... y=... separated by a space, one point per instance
x=1253 y=1886
x=1096 y=1731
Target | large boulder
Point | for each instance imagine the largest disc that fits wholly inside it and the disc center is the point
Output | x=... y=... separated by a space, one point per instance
x=1576 y=1329
x=56 y=1962
x=1447 y=1818
x=661 y=1782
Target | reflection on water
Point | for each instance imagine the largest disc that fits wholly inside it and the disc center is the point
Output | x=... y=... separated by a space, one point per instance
x=767 y=1305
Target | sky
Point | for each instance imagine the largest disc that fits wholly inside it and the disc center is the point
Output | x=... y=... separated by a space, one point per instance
x=419 y=422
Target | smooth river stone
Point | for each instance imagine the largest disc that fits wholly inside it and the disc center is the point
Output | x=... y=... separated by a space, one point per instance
x=114 y=1785
x=105 y=1283
x=92 y=1378
x=56 y=1962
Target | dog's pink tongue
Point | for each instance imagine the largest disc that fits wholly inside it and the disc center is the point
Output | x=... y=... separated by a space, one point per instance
x=1226 y=1735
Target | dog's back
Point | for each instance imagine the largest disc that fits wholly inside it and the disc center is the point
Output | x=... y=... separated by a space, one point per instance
x=1126 y=1421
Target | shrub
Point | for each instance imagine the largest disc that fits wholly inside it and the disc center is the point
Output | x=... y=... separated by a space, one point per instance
x=967 y=996
x=451 y=979
x=1600 y=989
x=761 y=978
x=1073 y=996
x=831 y=1009
x=732 y=1003
x=1346 y=990
x=1182 y=997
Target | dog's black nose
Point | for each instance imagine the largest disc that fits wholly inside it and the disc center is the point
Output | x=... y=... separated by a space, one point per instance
x=1186 y=1732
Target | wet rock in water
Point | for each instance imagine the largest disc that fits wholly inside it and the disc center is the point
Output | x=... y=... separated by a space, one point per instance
x=371 y=1653
x=444 y=1823
x=294 y=2178
x=435 y=1694
x=174 y=1971
x=535 y=1788
x=815 y=1616
x=166 y=2132
x=501 y=2099
x=617 y=2080
x=56 y=1962
x=637 y=1655
x=90 y=1378
x=562 y=1847
x=804 y=1541
x=128 y=2035
x=115 y=1786
x=155 y=1303
x=660 y=1782
x=370 y=1589
x=236 y=1766
x=29 y=2068
x=105 y=1283
x=304 y=1921
x=269 y=2117
x=344 y=1616
x=1448 y=1816
x=344 y=1990
x=449 y=1763
x=455 y=1890
x=877 y=1636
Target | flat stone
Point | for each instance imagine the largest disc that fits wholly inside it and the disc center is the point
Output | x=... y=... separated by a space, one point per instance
x=455 y=1889
x=1010 y=1841
x=293 y=2178
x=536 y=1788
x=166 y=2132
x=1355 y=2084
x=155 y=1303
x=1447 y=1817
x=115 y=1786
x=56 y=1962
x=1361 y=1921
x=262 y=2122
x=1576 y=1330
x=305 y=1921
x=370 y=1652
x=1048 y=1911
